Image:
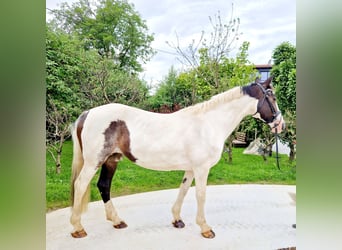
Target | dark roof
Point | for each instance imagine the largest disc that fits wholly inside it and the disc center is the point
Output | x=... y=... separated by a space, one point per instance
x=263 y=66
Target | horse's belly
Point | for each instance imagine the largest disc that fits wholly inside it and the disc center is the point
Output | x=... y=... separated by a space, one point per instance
x=162 y=161
x=161 y=166
x=159 y=148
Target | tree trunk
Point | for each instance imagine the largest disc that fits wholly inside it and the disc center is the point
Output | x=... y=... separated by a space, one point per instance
x=228 y=148
x=230 y=153
x=292 y=152
x=269 y=150
x=58 y=164
x=59 y=154
x=264 y=157
x=264 y=152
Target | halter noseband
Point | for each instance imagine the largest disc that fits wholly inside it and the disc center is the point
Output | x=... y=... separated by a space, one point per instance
x=266 y=93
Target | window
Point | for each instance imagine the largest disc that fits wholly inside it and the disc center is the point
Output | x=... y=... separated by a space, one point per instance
x=264 y=71
x=264 y=75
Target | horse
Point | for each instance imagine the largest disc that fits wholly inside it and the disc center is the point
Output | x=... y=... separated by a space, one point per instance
x=190 y=139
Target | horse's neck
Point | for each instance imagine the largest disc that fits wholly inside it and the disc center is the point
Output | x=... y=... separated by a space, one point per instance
x=225 y=117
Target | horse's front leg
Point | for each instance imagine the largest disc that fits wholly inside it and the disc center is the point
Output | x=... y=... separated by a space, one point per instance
x=183 y=189
x=201 y=183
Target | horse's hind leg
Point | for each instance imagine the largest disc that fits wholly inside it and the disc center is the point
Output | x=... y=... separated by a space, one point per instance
x=183 y=189
x=201 y=184
x=80 y=187
x=104 y=184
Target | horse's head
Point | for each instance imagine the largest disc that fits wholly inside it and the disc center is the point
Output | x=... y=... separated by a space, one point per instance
x=267 y=108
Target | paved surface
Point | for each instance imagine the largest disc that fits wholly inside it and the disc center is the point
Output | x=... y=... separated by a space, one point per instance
x=242 y=216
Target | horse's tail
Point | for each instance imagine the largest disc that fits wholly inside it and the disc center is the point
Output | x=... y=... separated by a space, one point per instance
x=77 y=165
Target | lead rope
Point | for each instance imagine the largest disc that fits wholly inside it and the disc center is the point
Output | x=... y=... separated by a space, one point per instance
x=277 y=154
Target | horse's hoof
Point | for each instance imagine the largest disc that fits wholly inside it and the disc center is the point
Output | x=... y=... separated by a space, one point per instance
x=121 y=225
x=209 y=235
x=79 y=234
x=178 y=224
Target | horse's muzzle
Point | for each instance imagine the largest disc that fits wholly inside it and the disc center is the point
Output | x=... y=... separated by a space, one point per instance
x=278 y=125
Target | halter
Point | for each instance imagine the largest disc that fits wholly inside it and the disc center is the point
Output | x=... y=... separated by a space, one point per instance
x=267 y=93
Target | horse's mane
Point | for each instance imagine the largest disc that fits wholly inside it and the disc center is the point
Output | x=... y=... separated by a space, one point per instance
x=215 y=100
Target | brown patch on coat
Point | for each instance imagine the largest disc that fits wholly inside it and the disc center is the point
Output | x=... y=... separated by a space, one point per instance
x=117 y=136
x=113 y=159
x=79 y=127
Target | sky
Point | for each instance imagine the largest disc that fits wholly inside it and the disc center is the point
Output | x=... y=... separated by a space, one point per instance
x=263 y=23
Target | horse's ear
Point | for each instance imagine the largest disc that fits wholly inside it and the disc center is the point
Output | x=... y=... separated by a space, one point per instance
x=267 y=83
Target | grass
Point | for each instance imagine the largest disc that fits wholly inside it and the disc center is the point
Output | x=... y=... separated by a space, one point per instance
x=129 y=178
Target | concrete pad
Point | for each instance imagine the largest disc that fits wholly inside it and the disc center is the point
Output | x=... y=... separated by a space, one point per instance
x=242 y=216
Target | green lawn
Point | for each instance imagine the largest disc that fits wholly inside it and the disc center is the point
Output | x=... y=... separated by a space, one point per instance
x=129 y=178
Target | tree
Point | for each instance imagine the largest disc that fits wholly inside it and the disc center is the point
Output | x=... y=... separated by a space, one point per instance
x=216 y=47
x=284 y=76
x=284 y=80
x=112 y=27
x=57 y=121
x=210 y=70
x=199 y=84
x=172 y=93
x=63 y=61
x=206 y=55
x=107 y=83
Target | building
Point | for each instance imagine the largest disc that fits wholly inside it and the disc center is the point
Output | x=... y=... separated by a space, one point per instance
x=264 y=70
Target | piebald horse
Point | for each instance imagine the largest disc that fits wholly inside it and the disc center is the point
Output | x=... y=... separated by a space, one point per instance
x=190 y=139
